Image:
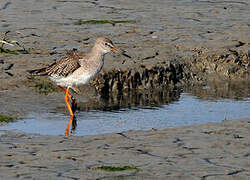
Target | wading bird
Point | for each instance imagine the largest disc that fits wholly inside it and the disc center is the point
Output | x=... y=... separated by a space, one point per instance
x=76 y=69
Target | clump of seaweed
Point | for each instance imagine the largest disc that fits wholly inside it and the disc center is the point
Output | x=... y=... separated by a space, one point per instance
x=93 y=21
x=116 y=168
x=4 y=118
x=42 y=86
x=5 y=41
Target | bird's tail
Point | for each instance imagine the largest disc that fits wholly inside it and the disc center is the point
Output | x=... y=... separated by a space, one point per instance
x=38 y=72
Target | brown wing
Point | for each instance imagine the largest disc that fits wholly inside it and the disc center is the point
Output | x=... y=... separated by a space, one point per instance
x=64 y=67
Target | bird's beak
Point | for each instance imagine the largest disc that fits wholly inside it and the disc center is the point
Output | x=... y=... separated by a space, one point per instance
x=124 y=54
x=115 y=50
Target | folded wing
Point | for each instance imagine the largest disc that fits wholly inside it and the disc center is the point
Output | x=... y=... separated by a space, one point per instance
x=64 y=67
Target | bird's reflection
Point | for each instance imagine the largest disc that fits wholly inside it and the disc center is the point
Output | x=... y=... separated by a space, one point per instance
x=72 y=120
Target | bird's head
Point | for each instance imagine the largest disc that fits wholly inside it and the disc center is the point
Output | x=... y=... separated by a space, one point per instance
x=106 y=46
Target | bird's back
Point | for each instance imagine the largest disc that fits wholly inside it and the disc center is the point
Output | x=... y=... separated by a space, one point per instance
x=64 y=67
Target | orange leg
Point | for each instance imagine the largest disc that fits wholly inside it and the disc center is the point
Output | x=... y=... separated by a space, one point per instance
x=67 y=102
x=70 y=112
x=72 y=121
x=64 y=90
x=67 y=133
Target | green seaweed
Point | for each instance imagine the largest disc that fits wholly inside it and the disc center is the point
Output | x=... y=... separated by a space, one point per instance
x=4 y=118
x=42 y=86
x=116 y=168
x=113 y=22
x=45 y=88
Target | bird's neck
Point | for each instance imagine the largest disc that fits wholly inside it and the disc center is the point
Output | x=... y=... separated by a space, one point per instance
x=96 y=54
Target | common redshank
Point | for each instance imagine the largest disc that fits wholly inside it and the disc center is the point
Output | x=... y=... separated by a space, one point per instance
x=76 y=69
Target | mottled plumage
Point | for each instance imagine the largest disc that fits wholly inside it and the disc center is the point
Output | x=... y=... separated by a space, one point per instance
x=77 y=68
x=64 y=67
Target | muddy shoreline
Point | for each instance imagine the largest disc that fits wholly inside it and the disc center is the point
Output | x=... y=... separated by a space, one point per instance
x=173 y=44
x=207 y=151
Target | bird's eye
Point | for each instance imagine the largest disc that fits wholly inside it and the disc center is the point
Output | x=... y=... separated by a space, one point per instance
x=108 y=44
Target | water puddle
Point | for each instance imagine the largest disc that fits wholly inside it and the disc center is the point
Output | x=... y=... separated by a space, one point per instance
x=163 y=112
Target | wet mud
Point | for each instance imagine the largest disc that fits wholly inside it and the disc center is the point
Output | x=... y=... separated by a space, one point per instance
x=201 y=47
x=208 y=151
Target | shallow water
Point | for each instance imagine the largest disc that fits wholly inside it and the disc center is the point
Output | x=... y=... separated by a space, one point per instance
x=187 y=110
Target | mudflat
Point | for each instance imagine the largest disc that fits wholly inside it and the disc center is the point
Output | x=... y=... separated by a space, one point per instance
x=213 y=33
x=207 y=151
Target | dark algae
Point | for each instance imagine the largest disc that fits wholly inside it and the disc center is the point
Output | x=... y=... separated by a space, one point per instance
x=116 y=168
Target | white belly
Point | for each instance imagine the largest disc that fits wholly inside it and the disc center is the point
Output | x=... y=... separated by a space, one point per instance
x=75 y=79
